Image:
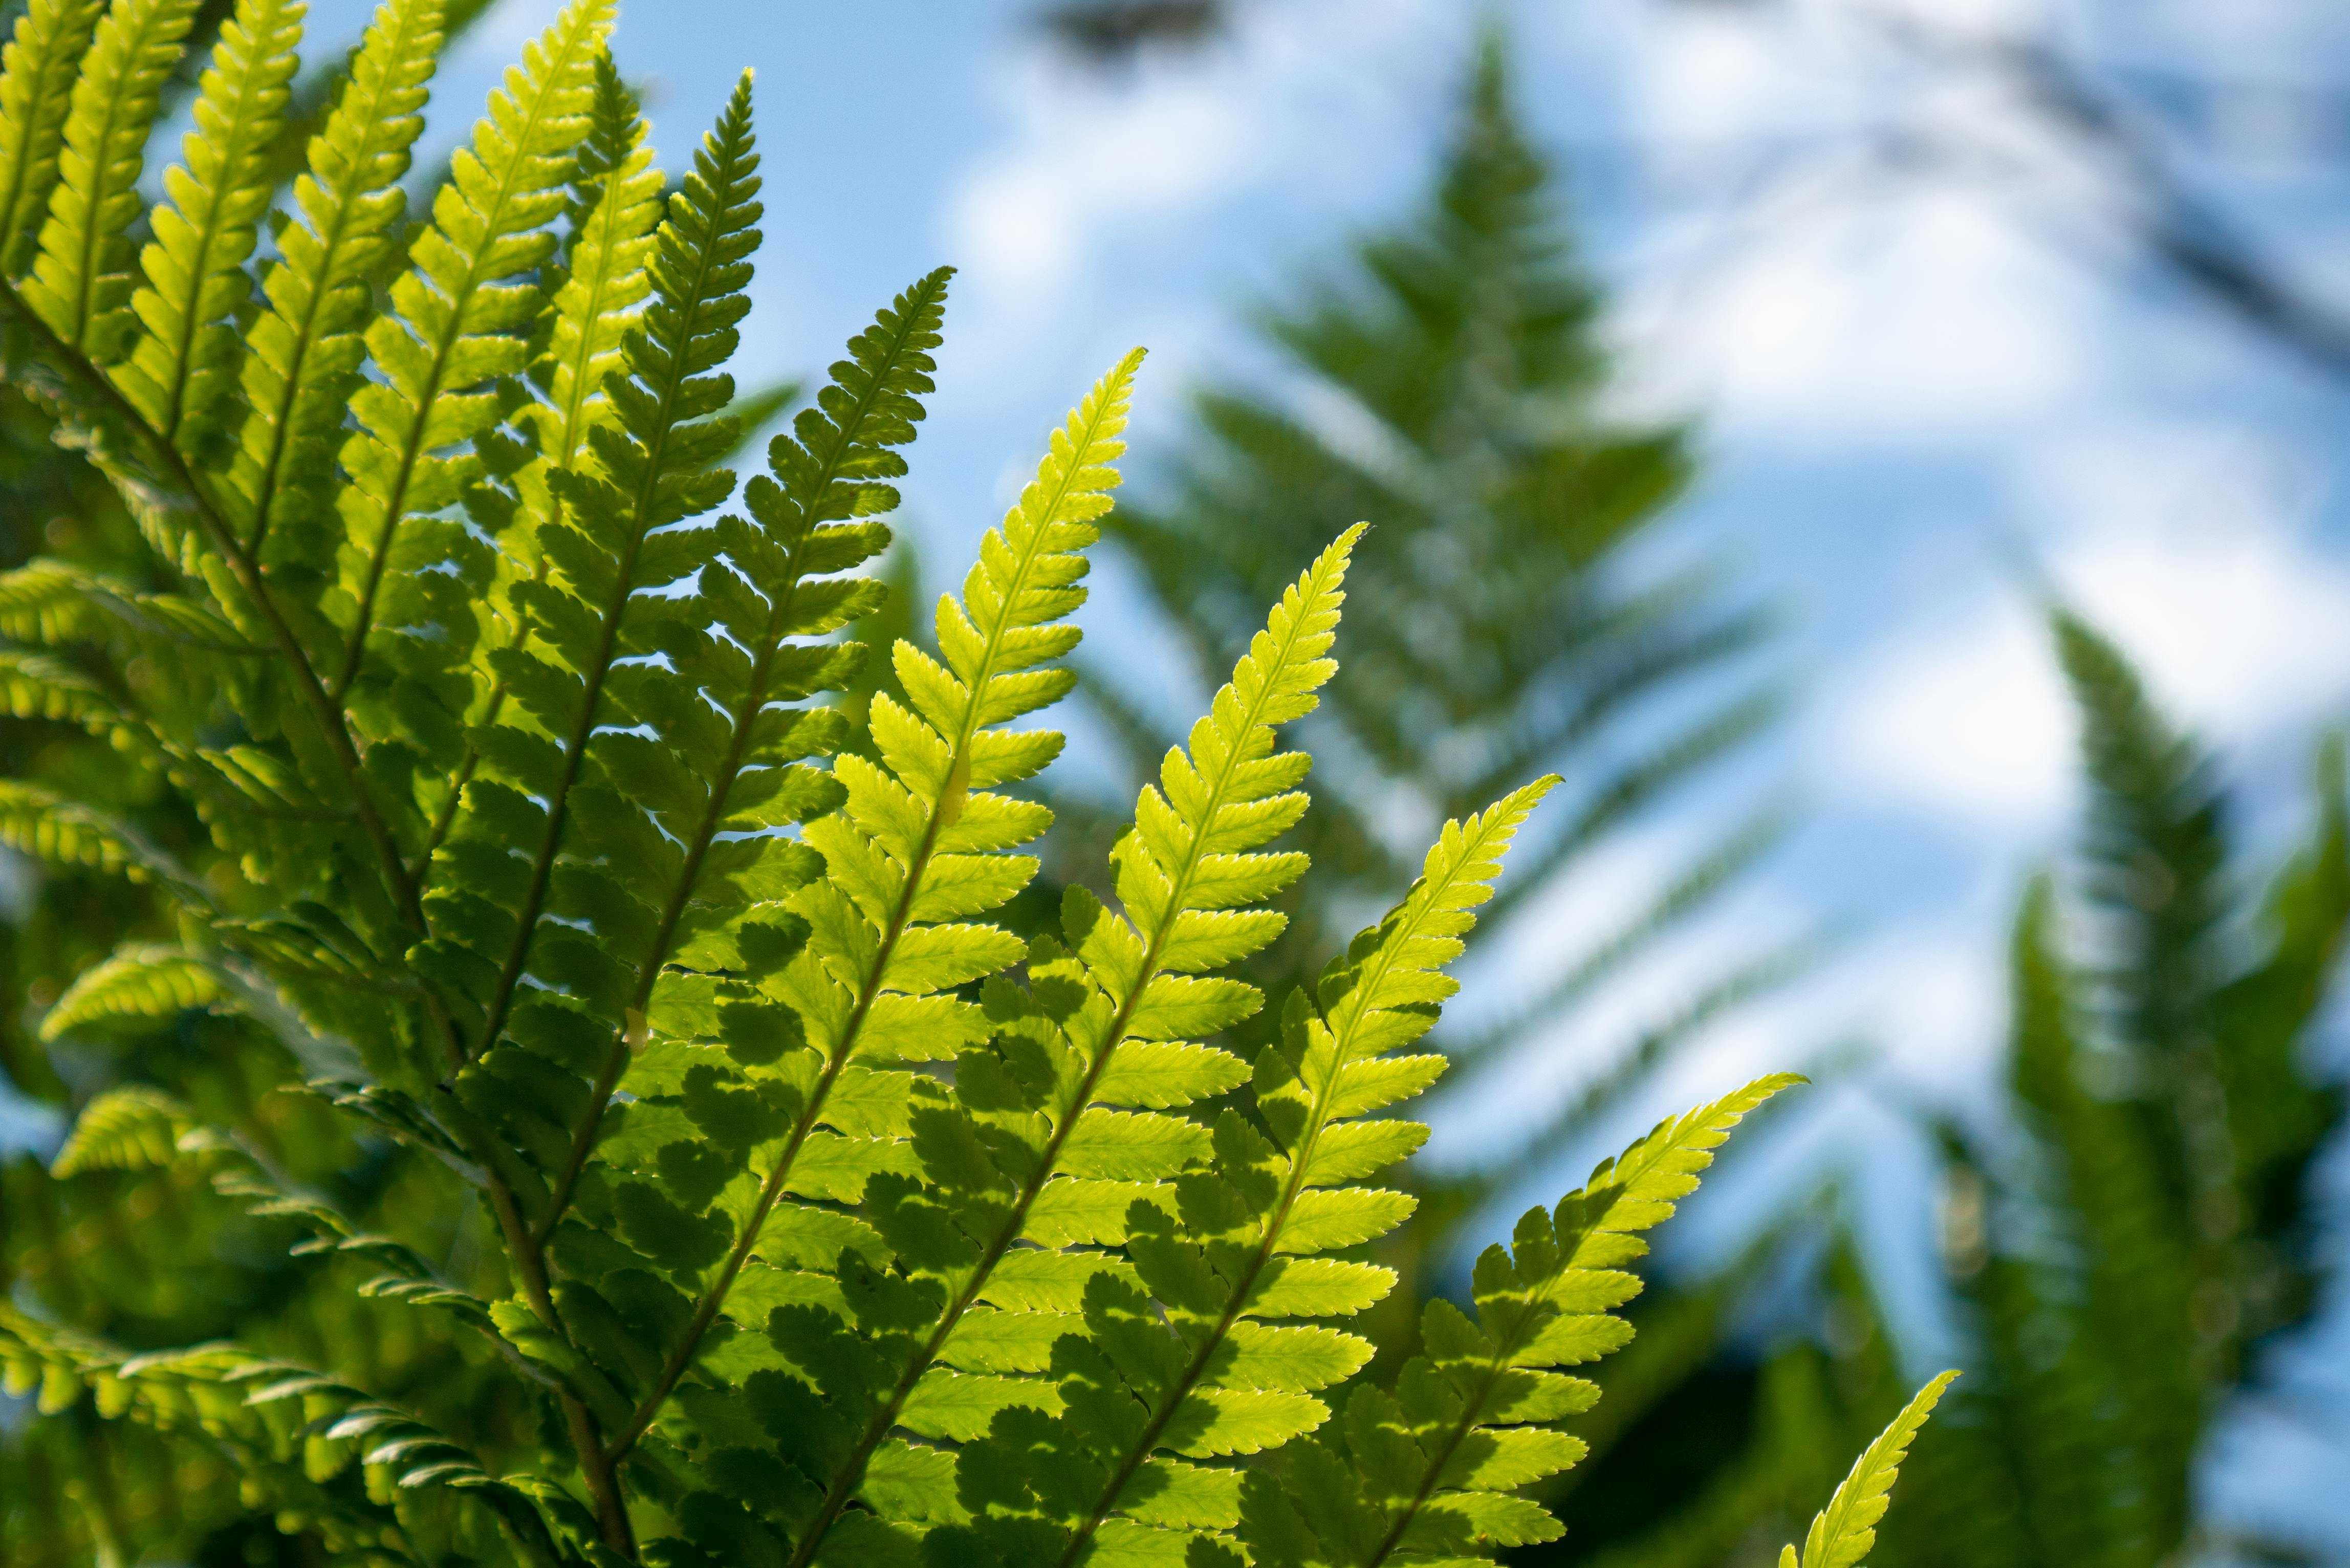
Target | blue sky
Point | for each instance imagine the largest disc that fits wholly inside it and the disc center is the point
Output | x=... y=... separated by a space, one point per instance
x=1909 y=378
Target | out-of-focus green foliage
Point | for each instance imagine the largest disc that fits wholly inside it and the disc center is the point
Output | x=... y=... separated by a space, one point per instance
x=2122 y=1254
x=2119 y=1247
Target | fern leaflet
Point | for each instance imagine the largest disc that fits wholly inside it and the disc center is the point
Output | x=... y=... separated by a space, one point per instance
x=141 y=981
x=303 y=352
x=1431 y=1470
x=36 y=89
x=457 y=324
x=183 y=371
x=80 y=285
x=124 y=1129
x=1842 y=1533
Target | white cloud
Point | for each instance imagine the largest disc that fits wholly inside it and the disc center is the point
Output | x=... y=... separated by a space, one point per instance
x=1926 y=316
x=1087 y=157
x=1087 y=160
x=1700 y=74
x=1964 y=719
x=1860 y=258
x=2181 y=545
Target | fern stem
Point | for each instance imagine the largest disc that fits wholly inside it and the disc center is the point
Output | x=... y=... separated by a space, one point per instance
x=852 y=1470
x=597 y=1464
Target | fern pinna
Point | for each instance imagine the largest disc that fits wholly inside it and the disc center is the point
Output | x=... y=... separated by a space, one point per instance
x=802 y=1212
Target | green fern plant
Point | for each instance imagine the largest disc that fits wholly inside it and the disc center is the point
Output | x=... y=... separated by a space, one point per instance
x=807 y=1211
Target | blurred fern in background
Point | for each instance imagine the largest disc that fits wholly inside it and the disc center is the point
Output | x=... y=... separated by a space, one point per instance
x=2123 y=1249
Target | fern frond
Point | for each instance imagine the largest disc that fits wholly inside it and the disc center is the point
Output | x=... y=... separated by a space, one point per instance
x=918 y=847
x=2155 y=804
x=2276 y=1115
x=304 y=350
x=54 y=604
x=614 y=206
x=80 y=284
x=733 y=776
x=37 y=83
x=50 y=827
x=2153 y=1170
x=404 y=1276
x=1217 y=1380
x=288 y=1432
x=129 y=1128
x=1842 y=1532
x=456 y=324
x=617 y=206
x=182 y=374
x=140 y=981
x=2125 y=1294
x=43 y=686
x=1432 y=1470
x=1030 y=1149
x=51 y=602
x=486 y=906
